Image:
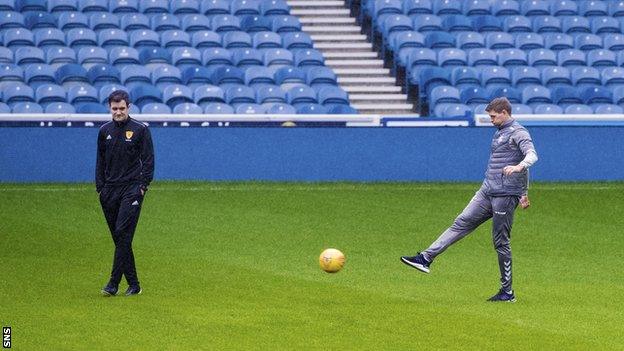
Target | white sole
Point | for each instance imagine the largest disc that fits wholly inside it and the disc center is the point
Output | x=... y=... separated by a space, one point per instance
x=420 y=267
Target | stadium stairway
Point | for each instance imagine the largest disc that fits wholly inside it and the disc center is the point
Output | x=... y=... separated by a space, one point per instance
x=371 y=88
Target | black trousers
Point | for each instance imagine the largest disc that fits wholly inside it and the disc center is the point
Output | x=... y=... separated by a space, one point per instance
x=122 y=207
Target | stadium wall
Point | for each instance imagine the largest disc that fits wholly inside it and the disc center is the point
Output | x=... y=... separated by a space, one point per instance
x=40 y=154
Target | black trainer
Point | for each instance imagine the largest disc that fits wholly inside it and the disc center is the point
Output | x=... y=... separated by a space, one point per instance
x=108 y=291
x=134 y=290
x=419 y=262
x=503 y=296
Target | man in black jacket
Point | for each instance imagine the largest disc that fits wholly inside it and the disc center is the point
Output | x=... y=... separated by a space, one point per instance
x=123 y=172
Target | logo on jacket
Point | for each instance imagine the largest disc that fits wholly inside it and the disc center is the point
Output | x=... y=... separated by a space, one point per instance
x=109 y=137
x=129 y=135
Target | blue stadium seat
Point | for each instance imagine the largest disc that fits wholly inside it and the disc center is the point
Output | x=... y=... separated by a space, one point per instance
x=36 y=75
x=332 y=95
x=247 y=57
x=452 y=57
x=216 y=56
x=206 y=39
x=6 y=55
x=184 y=7
x=613 y=42
x=470 y=40
x=571 y=58
x=236 y=39
x=106 y=90
x=228 y=75
x=479 y=109
x=153 y=6
x=616 y=8
x=575 y=24
x=144 y=94
x=195 y=23
x=91 y=107
x=577 y=109
x=240 y=95
x=165 y=75
x=556 y=76
x=296 y=40
x=565 y=96
x=289 y=77
x=225 y=23
x=266 y=40
x=215 y=7
x=144 y=38
x=482 y=57
x=602 y=25
x=487 y=24
x=476 y=8
x=90 y=56
x=517 y=24
x=80 y=37
x=29 y=55
x=588 y=42
x=564 y=8
x=395 y=23
x=11 y=73
x=245 y=7
x=535 y=95
x=218 y=109
x=426 y=23
x=596 y=95
x=428 y=78
x=593 y=8
x=407 y=39
x=456 y=110
x=447 y=7
x=608 y=109
x=185 y=57
x=321 y=76
x=57 y=56
x=174 y=38
x=133 y=110
x=301 y=95
x=205 y=95
x=601 y=58
x=77 y=95
x=175 y=94
x=39 y=20
x=281 y=109
x=529 y=41
x=49 y=93
x=274 y=7
x=123 y=6
x=558 y=41
x=341 y=110
x=463 y=77
x=72 y=20
x=284 y=24
x=62 y=5
x=194 y=77
x=444 y=94
x=270 y=94
x=499 y=40
x=520 y=109
x=492 y=76
x=15 y=92
x=383 y=7
x=278 y=57
x=542 y=57
x=100 y=75
x=133 y=75
x=109 y=38
x=164 y=21
x=618 y=95
x=613 y=76
x=512 y=94
x=250 y=109
x=439 y=40
x=156 y=108
x=71 y=74
x=120 y=56
x=93 y=5
x=416 y=7
x=309 y=57
x=421 y=57
x=258 y=76
x=17 y=37
x=311 y=109
x=585 y=77
x=506 y=8
x=134 y=21
x=10 y=19
x=254 y=24
x=59 y=107
x=546 y=24
x=474 y=96
x=103 y=20
x=547 y=109
x=30 y=5
x=27 y=107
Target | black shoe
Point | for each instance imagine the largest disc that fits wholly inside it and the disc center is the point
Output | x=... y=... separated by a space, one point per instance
x=108 y=291
x=134 y=290
x=419 y=262
x=503 y=296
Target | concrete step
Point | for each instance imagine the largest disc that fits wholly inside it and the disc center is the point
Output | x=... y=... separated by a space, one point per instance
x=339 y=63
x=378 y=97
x=362 y=71
x=338 y=37
x=367 y=81
x=383 y=108
x=326 y=20
x=362 y=89
x=344 y=46
x=341 y=29
x=311 y=3
x=321 y=11
x=335 y=55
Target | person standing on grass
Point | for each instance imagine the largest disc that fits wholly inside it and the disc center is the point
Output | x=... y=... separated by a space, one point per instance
x=505 y=185
x=123 y=172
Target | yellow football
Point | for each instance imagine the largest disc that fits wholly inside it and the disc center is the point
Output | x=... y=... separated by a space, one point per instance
x=331 y=260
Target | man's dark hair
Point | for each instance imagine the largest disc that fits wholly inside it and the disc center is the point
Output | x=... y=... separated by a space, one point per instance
x=118 y=96
x=499 y=105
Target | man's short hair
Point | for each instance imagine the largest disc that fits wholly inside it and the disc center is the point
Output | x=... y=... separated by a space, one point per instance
x=499 y=105
x=118 y=96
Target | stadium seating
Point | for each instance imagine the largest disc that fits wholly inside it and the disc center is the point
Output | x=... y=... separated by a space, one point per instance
x=171 y=56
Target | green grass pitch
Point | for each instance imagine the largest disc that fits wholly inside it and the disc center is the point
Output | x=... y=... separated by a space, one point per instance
x=234 y=266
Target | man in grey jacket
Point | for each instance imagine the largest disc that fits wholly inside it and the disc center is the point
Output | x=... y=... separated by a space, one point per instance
x=505 y=185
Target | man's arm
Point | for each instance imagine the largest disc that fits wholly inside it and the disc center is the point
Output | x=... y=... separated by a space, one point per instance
x=525 y=144
x=147 y=160
x=100 y=163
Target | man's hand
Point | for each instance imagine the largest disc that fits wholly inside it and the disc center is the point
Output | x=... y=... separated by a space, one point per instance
x=524 y=202
x=142 y=192
x=512 y=169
